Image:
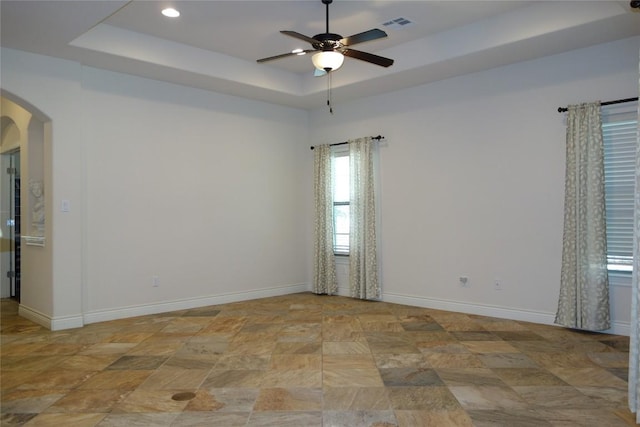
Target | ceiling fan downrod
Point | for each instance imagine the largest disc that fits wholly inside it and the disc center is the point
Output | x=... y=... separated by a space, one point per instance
x=327 y=3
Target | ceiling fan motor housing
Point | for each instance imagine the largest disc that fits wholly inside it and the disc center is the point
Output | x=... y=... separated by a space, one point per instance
x=327 y=41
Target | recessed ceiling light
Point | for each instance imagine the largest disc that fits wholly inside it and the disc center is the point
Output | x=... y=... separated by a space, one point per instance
x=170 y=12
x=299 y=52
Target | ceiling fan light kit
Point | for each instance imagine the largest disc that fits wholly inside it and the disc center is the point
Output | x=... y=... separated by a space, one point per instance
x=327 y=61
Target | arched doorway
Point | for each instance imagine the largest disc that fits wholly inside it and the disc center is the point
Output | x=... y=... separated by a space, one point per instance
x=25 y=259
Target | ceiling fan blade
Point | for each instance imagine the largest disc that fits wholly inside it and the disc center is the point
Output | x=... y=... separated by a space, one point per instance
x=299 y=36
x=319 y=73
x=369 y=57
x=284 y=55
x=363 y=37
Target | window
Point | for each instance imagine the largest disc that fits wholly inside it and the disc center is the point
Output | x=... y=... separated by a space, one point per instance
x=619 y=132
x=340 y=171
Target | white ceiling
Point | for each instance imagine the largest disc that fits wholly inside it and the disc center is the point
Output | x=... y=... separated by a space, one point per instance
x=214 y=44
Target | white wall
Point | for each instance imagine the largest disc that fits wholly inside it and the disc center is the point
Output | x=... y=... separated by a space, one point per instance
x=212 y=194
x=197 y=188
x=472 y=180
x=51 y=90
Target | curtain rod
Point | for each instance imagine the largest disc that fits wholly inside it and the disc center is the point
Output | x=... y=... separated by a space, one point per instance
x=379 y=137
x=617 y=101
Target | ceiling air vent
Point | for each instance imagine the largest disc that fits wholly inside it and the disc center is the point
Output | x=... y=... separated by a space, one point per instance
x=397 y=23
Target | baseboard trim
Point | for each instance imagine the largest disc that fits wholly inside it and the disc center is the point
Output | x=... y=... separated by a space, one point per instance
x=68 y=322
x=188 y=303
x=620 y=328
x=52 y=323
x=545 y=318
x=472 y=308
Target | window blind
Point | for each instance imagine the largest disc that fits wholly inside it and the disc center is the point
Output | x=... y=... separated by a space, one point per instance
x=619 y=132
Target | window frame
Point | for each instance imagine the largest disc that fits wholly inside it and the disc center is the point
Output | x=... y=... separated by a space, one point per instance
x=338 y=151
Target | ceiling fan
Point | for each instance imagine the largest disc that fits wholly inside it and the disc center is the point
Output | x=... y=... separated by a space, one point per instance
x=332 y=48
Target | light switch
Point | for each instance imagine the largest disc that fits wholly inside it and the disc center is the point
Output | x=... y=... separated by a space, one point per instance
x=65 y=206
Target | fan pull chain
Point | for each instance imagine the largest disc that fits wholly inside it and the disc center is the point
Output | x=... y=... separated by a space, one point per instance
x=329 y=94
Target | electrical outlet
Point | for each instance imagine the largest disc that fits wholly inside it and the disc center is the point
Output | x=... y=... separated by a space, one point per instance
x=497 y=285
x=155 y=281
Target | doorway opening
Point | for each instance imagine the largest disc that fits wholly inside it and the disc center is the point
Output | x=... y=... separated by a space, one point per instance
x=10 y=214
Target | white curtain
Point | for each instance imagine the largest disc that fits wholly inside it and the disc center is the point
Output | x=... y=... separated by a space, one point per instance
x=363 y=258
x=634 y=349
x=584 y=282
x=324 y=272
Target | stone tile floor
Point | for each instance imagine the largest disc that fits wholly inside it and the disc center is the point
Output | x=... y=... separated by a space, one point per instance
x=309 y=360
